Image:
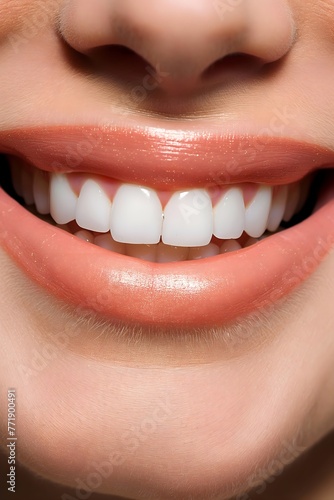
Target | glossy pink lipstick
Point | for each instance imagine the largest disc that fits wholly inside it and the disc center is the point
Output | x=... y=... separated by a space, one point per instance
x=166 y=159
x=191 y=294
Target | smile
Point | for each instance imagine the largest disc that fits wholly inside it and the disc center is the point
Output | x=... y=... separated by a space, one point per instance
x=159 y=226
x=197 y=238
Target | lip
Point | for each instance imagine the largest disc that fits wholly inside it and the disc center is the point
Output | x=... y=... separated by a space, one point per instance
x=204 y=293
x=166 y=158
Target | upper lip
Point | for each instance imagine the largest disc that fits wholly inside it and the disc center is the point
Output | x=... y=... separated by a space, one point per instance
x=165 y=158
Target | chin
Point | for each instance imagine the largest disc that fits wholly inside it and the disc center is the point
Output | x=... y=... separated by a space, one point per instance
x=154 y=428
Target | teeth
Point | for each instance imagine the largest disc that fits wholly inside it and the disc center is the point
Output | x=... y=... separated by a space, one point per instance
x=304 y=191
x=188 y=219
x=136 y=215
x=106 y=241
x=292 y=201
x=63 y=201
x=202 y=252
x=257 y=212
x=26 y=180
x=167 y=253
x=41 y=193
x=143 y=252
x=16 y=173
x=85 y=235
x=135 y=221
x=230 y=246
x=229 y=215
x=93 y=208
x=277 y=209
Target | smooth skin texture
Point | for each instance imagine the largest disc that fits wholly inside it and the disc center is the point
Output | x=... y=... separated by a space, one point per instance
x=170 y=415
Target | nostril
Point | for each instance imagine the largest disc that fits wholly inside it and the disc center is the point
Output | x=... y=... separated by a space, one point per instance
x=236 y=63
x=186 y=42
x=110 y=63
x=117 y=56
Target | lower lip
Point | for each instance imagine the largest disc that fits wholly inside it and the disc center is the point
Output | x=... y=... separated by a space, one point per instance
x=202 y=293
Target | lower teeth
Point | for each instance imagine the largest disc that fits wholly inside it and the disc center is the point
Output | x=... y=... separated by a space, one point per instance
x=161 y=252
x=154 y=253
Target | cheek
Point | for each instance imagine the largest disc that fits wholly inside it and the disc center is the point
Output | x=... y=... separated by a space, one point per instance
x=20 y=17
x=315 y=19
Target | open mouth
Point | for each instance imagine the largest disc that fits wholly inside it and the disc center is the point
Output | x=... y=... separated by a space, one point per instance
x=165 y=243
x=161 y=226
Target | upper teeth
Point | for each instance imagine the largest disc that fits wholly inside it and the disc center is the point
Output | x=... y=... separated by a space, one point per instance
x=92 y=209
x=188 y=219
x=136 y=215
x=231 y=210
x=257 y=212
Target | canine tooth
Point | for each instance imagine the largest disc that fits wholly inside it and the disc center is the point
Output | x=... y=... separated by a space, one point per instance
x=63 y=201
x=41 y=193
x=230 y=246
x=229 y=215
x=277 y=208
x=85 y=235
x=26 y=183
x=292 y=201
x=106 y=241
x=257 y=212
x=136 y=215
x=203 y=252
x=188 y=219
x=143 y=252
x=93 y=208
x=168 y=253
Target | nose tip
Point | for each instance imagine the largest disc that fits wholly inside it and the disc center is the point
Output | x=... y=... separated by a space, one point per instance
x=181 y=39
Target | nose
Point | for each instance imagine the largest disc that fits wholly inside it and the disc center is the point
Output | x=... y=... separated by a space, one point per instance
x=181 y=39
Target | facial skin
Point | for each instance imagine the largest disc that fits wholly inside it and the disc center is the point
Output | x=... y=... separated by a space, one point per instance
x=167 y=414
